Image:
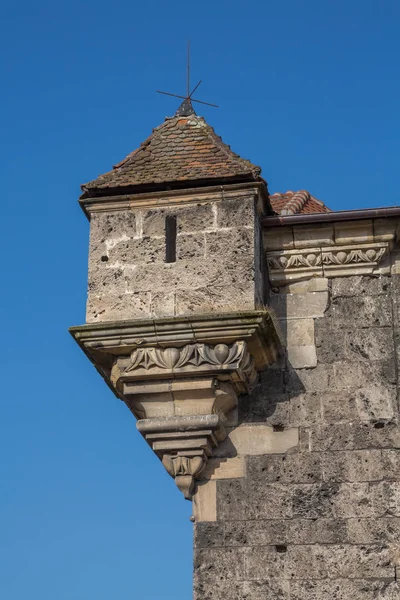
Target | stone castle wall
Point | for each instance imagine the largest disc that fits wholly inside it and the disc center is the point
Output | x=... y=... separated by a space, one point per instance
x=313 y=510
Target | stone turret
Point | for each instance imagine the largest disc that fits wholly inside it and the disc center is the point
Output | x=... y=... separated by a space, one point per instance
x=176 y=313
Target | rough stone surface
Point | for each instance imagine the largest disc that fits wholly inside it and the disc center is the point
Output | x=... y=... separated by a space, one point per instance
x=320 y=520
x=218 y=266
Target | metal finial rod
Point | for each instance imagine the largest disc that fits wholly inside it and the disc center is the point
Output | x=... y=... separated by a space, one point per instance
x=194 y=89
x=188 y=71
x=189 y=94
x=186 y=98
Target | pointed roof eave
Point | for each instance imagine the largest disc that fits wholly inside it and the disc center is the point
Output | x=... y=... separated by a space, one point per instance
x=184 y=150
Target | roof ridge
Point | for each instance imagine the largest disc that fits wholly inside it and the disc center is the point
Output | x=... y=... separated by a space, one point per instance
x=296 y=203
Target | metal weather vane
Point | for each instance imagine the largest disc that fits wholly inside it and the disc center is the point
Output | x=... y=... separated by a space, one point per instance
x=189 y=94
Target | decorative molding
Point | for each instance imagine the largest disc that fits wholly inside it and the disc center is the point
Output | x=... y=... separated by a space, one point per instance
x=193 y=357
x=184 y=470
x=289 y=265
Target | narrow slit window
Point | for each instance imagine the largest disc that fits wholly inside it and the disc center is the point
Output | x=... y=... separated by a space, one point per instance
x=170 y=239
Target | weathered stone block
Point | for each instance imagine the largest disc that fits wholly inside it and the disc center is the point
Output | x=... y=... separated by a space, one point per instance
x=344 y=589
x=351 y=374
x=117 y=308
x=224 y=468
x=264 y=406
x=315 y=380
x=229 y=244
x=361 y=310
x=112 y=226
x=274 y=589
x=255 y=440
x=163 y=305
x=372 y=531
x=338 y=561
x=214 y=588
x=305 y=409
x=354 y=232
x=293 y=467
x=235 y=212
x=365 y=404
x=366 y=500
x=190 y=218
x=315 y=284
x=370 y=344
x=209 y=535
x=269 y=502
x=302 y=357
x=306 y=236
x=300 y=332
x=300 y=306
x=330 y=343
x=219 y=564
x=265 y=563
x=385 y=497
x=314 y=501
x=146 y=250
x=353 y=436
x=256 y=533
x=355 y=466
x=361 y=286
x=317 y=531
x=106 y=280
x=211 y=299
x=190 y=246
x=280 y=238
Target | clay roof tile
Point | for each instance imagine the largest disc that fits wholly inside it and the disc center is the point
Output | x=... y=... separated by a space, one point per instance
x=293 y=203
x=168 y=155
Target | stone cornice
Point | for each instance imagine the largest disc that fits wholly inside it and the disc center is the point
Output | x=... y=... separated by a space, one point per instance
x=117 y=338
x=169 y=198
x=329 y=250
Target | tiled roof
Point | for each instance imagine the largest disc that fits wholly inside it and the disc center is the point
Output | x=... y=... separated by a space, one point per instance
x=183 y=148
x=293 y=203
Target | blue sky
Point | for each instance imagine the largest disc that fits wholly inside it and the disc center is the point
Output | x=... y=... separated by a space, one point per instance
x=309 y=90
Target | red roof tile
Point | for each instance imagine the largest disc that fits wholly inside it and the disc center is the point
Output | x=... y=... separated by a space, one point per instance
x=183 y=148
x=293 y=203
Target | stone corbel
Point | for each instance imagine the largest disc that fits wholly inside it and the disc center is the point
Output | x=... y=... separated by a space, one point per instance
x=181 y=379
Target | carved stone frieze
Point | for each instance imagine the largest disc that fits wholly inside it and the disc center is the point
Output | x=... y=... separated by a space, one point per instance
x=196 y=359
x=289 y=265
x=181 y=378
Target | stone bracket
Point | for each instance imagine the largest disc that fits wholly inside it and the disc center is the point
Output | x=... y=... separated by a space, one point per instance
x=181 y=378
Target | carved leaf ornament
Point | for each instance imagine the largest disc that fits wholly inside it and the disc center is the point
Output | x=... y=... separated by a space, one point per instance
x=195 y=354
x=340 y=257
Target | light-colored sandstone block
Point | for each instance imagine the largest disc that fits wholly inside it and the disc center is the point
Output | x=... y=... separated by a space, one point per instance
x=312 y=304
x=302 y=357
x=279 y=238
x=354 y=232
x=384 y=229
x=224 y=468
x=306 y=236
x=205 y=501
x=314 y=284
x=261 y=439
x=300 y=332
x=300 y=306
